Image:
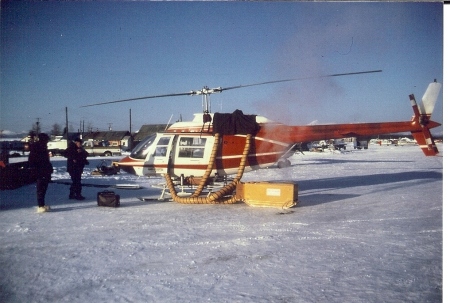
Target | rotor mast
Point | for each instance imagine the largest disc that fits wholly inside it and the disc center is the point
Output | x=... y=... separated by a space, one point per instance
x=205 y=92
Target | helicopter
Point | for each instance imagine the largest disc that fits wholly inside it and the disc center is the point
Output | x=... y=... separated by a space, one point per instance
x=220 y=145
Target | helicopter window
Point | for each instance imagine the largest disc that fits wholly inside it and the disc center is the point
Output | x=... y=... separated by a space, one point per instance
x=161 y=147
x=192 y=141
x=191 y=147
x=141 y=150
x=160 y=151
x=164 y=141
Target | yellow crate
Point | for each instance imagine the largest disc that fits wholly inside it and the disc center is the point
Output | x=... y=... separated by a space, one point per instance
x=268 y=194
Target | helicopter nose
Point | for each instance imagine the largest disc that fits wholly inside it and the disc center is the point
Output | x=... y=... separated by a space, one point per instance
x=128 y=169
x=126 y=164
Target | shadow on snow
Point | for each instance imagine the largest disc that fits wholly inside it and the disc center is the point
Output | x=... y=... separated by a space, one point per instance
x=316 y=188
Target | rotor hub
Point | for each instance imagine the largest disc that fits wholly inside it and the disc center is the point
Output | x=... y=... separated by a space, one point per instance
x=206 y=91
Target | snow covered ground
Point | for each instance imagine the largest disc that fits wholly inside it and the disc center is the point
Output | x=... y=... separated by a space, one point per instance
x=368 y=228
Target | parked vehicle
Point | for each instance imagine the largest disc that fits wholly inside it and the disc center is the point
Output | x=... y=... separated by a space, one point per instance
x=57 y=147
x=101 y=148
x=360 y=144
x=333 y=144
x=406 y=141
x=338 y=144
x=317 y=145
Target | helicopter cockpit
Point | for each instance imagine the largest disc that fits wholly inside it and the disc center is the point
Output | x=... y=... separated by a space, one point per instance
x=143 y=148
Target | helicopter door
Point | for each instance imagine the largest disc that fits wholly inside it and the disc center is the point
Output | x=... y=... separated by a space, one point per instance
x=162 y=155
x=190 y=155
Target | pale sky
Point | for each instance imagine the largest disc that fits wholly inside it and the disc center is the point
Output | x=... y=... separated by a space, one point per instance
x=68 y=54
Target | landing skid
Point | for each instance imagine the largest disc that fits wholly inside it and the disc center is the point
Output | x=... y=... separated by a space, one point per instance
x=147 y=199
x=187 y=190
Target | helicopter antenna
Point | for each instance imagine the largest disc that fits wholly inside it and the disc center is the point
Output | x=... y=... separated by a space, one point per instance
x=168 y=122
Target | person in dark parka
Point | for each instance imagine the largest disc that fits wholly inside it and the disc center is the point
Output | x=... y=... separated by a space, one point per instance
x=39 y=161
x=76 y=160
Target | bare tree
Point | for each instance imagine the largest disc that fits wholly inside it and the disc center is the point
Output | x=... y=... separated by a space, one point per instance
x=56 y=130
x=36 y=128
x=90 y=127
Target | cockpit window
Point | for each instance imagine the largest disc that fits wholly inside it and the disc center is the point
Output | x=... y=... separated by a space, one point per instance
x=142 y=149
x=164 y=141
x=161 y=147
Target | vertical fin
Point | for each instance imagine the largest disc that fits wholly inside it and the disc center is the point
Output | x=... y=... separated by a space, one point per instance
x=430 y=97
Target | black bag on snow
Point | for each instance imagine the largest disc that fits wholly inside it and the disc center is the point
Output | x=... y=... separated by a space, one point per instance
x=108 y=198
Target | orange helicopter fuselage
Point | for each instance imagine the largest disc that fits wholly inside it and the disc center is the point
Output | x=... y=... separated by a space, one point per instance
x=185 y=148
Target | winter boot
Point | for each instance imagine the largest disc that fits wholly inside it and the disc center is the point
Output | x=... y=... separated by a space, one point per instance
x=72 y=194
x=43 y=209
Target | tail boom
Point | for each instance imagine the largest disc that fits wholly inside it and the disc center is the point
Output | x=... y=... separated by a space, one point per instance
x=296 y=134
x=419 y=126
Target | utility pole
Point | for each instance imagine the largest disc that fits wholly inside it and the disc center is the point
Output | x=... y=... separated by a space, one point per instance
x=67 y=128
x=38 y=128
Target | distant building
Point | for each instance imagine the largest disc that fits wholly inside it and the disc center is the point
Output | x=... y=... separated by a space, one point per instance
x=147 y=130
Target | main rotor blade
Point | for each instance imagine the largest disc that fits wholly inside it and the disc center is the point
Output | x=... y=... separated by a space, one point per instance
x=140 y=98
x=207 y=91
x=305 y=78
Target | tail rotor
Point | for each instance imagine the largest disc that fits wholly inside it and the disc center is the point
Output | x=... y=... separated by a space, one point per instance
x=422 y=115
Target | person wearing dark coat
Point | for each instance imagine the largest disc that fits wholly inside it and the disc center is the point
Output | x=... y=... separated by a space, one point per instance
x=39 y=161
x=76 y=160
